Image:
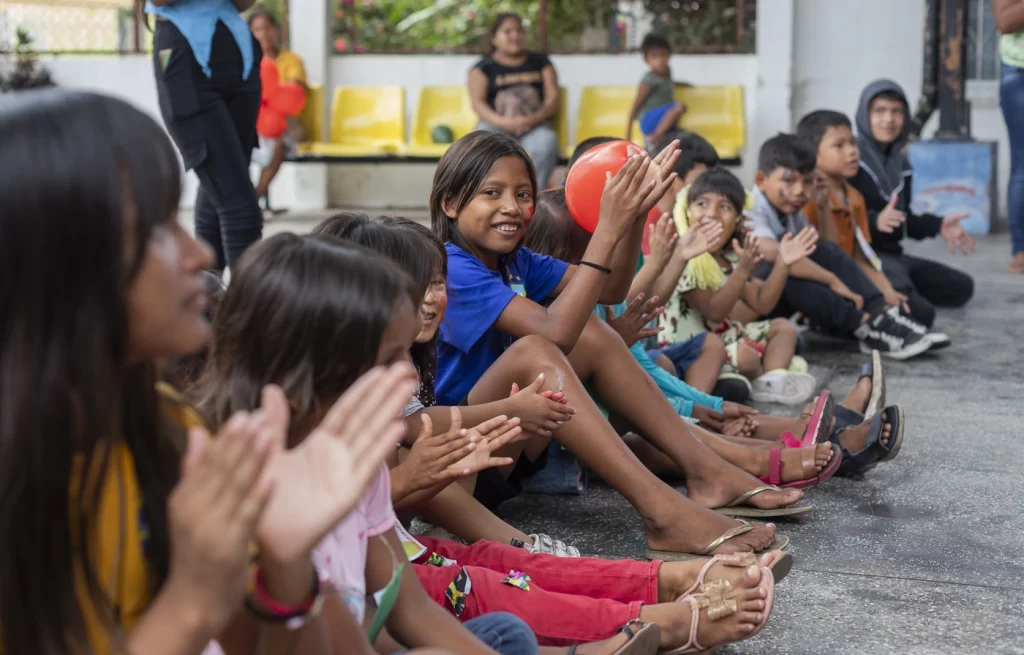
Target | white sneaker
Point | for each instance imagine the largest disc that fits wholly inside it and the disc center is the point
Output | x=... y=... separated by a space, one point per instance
x=548 y=546
x=784 y=388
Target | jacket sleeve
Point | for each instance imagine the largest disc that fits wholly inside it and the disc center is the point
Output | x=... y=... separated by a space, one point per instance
x=919 y=226
x=873 y=200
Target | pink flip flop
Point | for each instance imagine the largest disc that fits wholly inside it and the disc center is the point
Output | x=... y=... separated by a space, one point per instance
x=807 y=465
x=820 y=426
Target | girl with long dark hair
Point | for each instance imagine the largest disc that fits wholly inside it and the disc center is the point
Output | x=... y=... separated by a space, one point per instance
x=123 y=527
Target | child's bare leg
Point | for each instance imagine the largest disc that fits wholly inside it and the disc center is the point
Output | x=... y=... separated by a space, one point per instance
x=667 y=122
x=666 y=364
x=703 y=373
x=601 y=357
x=781 y=345
x=672 y=522
x=748 y=362
x=458 y=512
x=859 y=396
x=771 y=428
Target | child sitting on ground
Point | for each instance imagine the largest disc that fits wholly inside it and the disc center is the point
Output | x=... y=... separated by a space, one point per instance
x=884 y=179
x=840 y=214
x=714 y=283
x=352 y=297
x=827 y=287
x=655 y=101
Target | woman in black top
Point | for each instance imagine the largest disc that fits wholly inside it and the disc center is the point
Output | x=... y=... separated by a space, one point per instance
x=516 y=92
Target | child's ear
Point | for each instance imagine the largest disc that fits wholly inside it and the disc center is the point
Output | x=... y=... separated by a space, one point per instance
x=447 y=206
x=759 y=179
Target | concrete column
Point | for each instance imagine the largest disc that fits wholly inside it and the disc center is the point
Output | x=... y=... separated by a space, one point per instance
x=304 y=186
x=774 y=43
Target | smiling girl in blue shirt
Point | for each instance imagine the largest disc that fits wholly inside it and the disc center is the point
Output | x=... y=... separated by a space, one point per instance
x=498 y=333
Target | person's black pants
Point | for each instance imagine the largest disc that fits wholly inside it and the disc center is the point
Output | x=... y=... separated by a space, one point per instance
x=822 y=306
x=927 y=284
x=213 y=122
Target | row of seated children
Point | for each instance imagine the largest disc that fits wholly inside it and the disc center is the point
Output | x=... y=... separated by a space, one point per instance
x=308 y=359
x=425 y=478
x=422 y=480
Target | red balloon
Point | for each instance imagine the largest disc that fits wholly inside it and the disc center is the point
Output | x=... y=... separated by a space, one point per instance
x=270 y=78
x=584 y=185
x=288 y=99
x=270 y=124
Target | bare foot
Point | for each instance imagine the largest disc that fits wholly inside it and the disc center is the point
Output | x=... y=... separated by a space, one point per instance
x=759 y=461
x=675 y=618
x=858 y=398
x=1017 y=263
x=855 y=438
x=686 y=527
x=720 y=485
x=676 y=578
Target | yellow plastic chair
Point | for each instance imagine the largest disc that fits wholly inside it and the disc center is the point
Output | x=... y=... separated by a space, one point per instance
x=366 y=121
x=716 y=113
x=603 y=111
x=435 y=106
x=312 y=117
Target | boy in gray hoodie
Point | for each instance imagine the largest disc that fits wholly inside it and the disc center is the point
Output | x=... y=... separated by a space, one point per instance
x=884 y=179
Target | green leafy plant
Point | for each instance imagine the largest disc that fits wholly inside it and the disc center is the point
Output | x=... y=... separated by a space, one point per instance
x=27 y=73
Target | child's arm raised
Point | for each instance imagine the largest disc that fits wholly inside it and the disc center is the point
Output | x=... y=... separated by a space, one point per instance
x=627 y=195
x=1009 y=15
x=716 y=306
x=763 y=296
x=663 y=244
x=695 y=242
x=642 y=92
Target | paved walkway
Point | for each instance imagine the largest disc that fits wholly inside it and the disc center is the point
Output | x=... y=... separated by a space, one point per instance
x=924 y=556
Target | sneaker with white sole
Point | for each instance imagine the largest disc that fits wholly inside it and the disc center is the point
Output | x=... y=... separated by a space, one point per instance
x=889 y=338
x=938 y=340
x=548 y=546
x=784 y=387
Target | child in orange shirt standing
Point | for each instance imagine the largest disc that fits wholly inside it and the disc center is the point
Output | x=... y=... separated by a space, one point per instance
x=839 y=212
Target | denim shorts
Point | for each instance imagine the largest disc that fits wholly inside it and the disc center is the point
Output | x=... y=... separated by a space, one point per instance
x=682 y=354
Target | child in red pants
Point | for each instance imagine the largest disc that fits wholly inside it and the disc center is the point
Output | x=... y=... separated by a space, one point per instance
x=577 y=600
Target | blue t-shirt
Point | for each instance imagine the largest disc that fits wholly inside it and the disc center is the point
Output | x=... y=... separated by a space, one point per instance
x=197 y=22
x=470 y=341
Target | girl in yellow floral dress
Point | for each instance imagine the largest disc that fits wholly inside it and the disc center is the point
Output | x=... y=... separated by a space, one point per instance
x=715 y=284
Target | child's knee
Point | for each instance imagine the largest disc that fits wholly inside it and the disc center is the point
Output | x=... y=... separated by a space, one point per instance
x=782 y=328
x=748 y=361
x=666 y=364
x=714 y=347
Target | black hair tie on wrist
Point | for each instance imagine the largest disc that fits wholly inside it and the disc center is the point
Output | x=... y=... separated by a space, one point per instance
x=603 y=269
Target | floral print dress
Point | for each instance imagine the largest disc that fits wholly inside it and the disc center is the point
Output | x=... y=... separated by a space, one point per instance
x=681 y=321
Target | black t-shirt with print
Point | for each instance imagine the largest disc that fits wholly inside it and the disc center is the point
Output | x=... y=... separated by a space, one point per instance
x=515 y=90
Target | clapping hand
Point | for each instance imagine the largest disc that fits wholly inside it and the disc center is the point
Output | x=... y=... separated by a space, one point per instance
x=630 y=323
x=794 y=248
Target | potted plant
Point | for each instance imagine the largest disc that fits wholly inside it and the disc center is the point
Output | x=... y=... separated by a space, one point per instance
x=26 y=73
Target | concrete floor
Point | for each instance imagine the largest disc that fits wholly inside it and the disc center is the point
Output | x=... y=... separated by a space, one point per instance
x=924 y=555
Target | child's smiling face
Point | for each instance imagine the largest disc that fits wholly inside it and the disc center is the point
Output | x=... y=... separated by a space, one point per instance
x=434 y=304
x=713 y=206
x=494 y=221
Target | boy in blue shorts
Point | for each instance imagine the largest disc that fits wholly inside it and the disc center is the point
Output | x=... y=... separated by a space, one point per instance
x=655 y=102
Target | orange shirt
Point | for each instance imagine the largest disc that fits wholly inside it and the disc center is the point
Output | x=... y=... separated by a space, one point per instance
x=842 y=211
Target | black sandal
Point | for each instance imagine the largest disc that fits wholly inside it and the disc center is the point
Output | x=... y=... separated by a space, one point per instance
x=874 y=370
x=854 y=465
x=644 y=641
